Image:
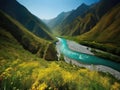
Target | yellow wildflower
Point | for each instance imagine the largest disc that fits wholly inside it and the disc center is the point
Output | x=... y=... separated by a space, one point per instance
x=115 y=86
x=43 y=86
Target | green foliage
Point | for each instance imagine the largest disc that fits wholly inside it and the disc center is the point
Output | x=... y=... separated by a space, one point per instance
x=111 y=52
x=34 y=75
x=61 y=58
x=106 y=55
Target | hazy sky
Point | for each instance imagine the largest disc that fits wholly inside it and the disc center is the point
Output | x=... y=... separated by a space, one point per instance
x=47 y=9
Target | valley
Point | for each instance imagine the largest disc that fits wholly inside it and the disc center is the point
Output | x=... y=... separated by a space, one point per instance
x=29 y=59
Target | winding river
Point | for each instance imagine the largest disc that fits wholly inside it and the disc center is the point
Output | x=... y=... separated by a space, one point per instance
x=85 y=58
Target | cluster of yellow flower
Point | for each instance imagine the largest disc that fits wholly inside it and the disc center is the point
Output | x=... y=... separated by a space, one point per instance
x=51 y=75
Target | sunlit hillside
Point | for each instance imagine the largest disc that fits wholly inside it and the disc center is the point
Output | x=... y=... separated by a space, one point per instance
x=29 y=53
x=106 y=32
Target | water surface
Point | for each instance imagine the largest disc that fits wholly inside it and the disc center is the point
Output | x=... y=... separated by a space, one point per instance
x=85 y=58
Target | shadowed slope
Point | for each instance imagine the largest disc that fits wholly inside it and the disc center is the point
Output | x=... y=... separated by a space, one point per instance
x=27 y=39
x=21 y=14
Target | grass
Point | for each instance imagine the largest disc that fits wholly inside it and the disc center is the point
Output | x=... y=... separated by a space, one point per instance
x=106 y=55
x=42 y=75
x=108 y=50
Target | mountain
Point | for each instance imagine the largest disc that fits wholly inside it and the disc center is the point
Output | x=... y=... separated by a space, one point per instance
x=79 y=25
x=78 y=12
x=107 y=29
x=56 y=21
x=25 y=38
x=84 y=18
x=21 y=14
x=74 y=14
x=105 y=34
x=53 y=23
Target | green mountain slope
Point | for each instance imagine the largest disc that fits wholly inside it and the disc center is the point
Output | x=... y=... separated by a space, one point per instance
x=106 y=31
x=10 y=48
x=80 y=25
x=27 y=39
x=21 y=14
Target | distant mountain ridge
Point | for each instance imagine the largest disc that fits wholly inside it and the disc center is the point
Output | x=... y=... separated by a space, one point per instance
x=84 y=18
x=53 y=23
x=21 y=14
x=78 y=12
x=69 y=18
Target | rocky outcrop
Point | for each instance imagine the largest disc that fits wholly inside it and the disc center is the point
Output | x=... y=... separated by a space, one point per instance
x=50 y=53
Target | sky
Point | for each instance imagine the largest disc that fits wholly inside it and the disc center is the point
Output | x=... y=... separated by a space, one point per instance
x=48 y=9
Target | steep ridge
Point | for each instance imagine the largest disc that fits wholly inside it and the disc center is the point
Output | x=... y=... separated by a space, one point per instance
x=75 y=13
x=21 y=14
x=10 y=48
x=80 y=25
x=52 y=23
x=107 y=30
x=27 y=39
x=90 y=17
x=78 y=12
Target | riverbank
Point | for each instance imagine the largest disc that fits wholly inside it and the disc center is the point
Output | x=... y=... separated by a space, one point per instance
x=79 y=48
x=92 y=67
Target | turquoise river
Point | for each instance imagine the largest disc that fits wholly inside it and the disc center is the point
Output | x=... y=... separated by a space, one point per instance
x=85 y=58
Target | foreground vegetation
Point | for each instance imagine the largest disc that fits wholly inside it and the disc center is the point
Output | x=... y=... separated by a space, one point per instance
x=43 y=75
x=21 y=70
